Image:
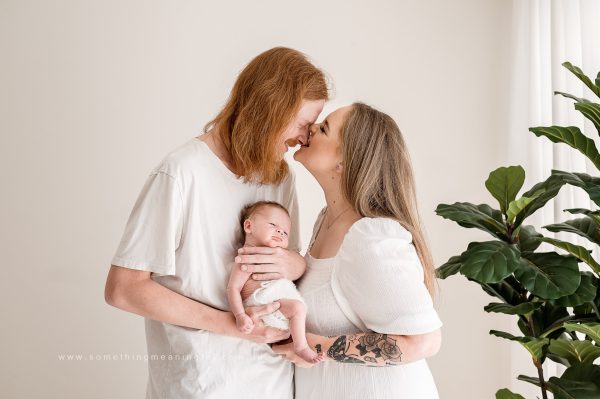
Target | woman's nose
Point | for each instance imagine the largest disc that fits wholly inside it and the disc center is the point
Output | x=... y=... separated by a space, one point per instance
x=313 y=128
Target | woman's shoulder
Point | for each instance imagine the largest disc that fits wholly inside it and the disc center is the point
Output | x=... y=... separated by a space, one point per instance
x=377 y=245
x=368 y=229
x=378 y=238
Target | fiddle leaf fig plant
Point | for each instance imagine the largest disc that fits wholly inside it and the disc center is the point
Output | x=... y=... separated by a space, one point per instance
x=554 y=299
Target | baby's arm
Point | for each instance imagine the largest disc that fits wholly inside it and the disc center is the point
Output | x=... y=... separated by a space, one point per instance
x=237 y=279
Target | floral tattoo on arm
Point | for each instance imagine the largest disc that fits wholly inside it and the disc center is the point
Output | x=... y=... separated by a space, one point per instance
x=371 y=349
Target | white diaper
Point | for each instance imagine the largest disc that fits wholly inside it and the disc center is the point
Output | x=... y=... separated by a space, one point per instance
x=271 y=291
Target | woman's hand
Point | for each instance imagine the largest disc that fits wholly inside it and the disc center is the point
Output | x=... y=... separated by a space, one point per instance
x=287 y=350
x=266 y=263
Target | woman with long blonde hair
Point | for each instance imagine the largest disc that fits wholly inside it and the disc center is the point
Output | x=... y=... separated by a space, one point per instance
x=370 y=282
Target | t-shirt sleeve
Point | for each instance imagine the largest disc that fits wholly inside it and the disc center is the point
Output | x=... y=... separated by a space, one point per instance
x=153 y=230
x=381 y=278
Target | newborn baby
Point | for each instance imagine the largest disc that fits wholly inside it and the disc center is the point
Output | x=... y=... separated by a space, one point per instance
x=267 y=224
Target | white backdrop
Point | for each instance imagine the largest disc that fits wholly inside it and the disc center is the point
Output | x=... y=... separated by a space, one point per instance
x=94 y=93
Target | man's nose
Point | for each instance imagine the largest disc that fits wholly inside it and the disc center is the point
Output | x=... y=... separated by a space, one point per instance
x=304 y=134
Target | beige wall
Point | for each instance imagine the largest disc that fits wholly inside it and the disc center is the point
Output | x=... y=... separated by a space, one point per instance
x=94 y=93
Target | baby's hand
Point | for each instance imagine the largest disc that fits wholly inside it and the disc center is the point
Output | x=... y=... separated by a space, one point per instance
x=244 y=323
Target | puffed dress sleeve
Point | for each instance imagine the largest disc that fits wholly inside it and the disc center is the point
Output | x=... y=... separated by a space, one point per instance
x=378 y=280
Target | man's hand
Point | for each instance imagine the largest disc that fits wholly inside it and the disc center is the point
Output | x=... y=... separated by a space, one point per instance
x=260 y=333
x=267 y=263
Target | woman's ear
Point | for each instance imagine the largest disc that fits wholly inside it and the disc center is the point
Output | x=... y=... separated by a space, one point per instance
x=248 y=226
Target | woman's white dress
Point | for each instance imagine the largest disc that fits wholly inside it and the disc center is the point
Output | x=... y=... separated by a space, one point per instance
x=375 y=280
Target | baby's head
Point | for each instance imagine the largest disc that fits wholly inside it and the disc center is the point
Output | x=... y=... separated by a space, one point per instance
x=266 y=223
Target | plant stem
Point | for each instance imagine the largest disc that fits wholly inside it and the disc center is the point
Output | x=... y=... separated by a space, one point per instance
x=538 y=364
x=540 y=369
x=509 y=232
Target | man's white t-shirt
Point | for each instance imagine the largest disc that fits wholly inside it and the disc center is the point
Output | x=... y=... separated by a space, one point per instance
x=185 y=228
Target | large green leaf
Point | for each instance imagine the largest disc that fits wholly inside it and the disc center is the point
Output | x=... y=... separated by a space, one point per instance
x=593 y=214
x=571 y=136
x=548 y=274
x=578 y=99
x=535 y=346
x=504 y=183
x=590 y=111
x=505 y=393
x=451 y=267
x=515 y=207
x=590 y=307
x=574 y=351
x=529 y=239
x=549 y=320
x=469 y=215
x=585 y=227
x=586 y=308
x=590 y=184
x=586 y=292
x=580 y=381
x=581 y=76
x=489 y=261
x=550 y=187
x=557 y=359
x=569 y=389
x=592 y=330
x=531 y=380
x=524 y=327
x=521 y=309
x=578 y=251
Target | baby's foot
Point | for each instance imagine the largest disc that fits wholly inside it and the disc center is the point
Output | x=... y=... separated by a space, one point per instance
x=309 y=355
x=244 y=323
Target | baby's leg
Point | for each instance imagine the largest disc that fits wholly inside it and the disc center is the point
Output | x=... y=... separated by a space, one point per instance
x=295 y=311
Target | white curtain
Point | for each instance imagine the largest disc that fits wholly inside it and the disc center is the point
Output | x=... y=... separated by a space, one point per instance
x=547 y=33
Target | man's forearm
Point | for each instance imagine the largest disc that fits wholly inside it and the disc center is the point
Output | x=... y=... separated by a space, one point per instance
x=149 y=299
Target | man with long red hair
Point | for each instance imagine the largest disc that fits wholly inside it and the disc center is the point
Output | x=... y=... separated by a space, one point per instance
x=173 y=261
